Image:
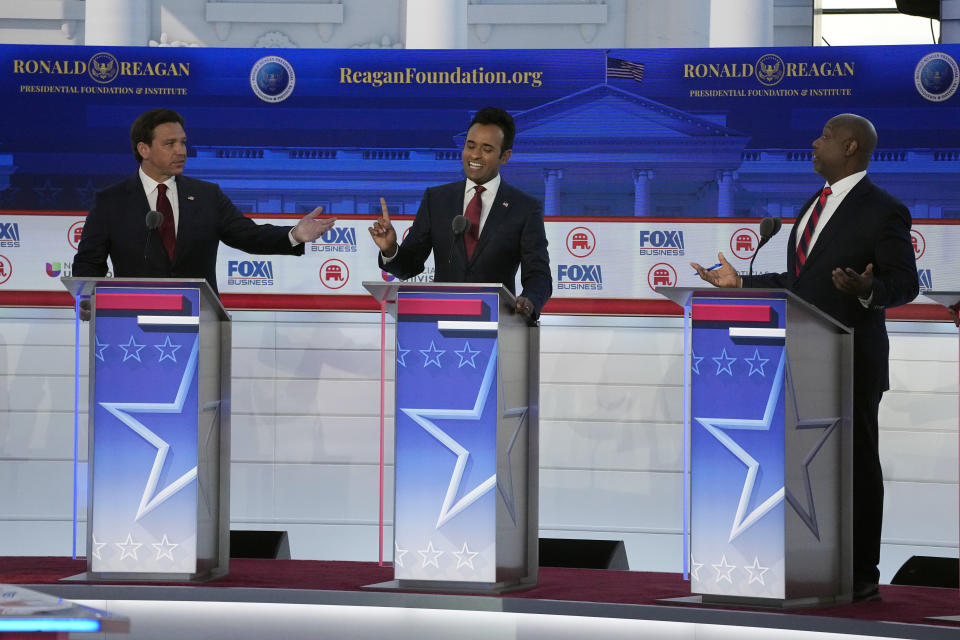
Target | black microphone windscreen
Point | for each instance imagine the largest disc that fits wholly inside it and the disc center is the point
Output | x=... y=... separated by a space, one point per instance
x=153 y=220
x=460 y=225
x=769 y=227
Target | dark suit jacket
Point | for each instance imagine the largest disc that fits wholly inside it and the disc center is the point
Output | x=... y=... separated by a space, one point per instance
x=869 y=227
x=116 y=227
x=513 y=236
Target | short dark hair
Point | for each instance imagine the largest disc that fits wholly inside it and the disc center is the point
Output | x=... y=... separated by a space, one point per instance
x=142 y=128
x=499 y=117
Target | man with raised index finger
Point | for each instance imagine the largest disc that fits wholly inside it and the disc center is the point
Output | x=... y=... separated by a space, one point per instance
x=506 y=230
x=850 y=254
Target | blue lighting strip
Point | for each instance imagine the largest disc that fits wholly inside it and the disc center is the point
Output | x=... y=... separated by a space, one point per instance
x=76 y=416
x=685 y=427
x=49 y=625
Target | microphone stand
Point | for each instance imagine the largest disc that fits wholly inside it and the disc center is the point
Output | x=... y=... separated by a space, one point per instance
x=763 y=241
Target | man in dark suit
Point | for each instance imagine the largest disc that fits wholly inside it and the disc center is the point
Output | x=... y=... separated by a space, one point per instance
x=506 y=232
x=850 y=255
x=195 y=216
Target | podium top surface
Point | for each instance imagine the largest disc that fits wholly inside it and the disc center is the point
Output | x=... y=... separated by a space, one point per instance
x=387 y=291
x=946 y=298
x=681 y=295
x=86 y=286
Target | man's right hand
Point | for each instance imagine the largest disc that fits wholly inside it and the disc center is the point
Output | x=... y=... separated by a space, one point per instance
x=724 y=276
x=383 y=233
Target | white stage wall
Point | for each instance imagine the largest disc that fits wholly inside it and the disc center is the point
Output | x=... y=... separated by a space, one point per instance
x=306 y=434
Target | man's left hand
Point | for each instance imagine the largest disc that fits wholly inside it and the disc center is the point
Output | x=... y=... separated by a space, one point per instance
x=311 y=227
x=524 y=307
x=849 y=281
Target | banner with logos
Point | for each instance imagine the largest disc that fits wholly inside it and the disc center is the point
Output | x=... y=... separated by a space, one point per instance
x=591 y=260
x=645 y=159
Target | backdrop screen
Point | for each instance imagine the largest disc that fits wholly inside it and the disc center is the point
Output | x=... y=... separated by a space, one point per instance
x=665 y=155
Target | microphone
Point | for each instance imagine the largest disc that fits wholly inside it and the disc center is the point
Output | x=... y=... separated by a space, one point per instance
x=768 y=228
x=460 y=225
x=153 y=221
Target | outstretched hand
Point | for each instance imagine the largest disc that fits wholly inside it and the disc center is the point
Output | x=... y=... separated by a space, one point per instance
x=724 y=276
x=312 y=227
x=849 y=281
x=383 y=233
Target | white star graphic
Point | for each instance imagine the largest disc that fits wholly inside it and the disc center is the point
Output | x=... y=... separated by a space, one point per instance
x=726 y=363
x=398 y=554
x=695 y=568
x=756 y=571
x=151 y=499
x=723 y=570
x=401 y=356
x=432 y=354
x=433 y=554
x=465 y=556
x=695 y=361
x=97 y=546
x=420 y=416
x=132 y=350
x=128 y=548
x=168 y=350
x=756 y=363
x=164 y=548
x=808 y=515
x=506 y=487
x=742 y=521
x=467 y=355
x=100 y=347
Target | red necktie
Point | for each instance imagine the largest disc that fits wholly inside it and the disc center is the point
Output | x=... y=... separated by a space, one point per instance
x=168 y=231
x=810 y=227
x=473 y=215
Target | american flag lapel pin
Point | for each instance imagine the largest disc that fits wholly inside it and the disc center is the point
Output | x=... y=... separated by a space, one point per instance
x=189 y=197
x=505 y=204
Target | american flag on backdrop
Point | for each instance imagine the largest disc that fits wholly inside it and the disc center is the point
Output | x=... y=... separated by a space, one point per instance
x=617 y=68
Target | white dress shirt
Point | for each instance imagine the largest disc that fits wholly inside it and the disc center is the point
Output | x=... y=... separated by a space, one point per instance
x=486 y=198
x=839 y=191
x=150 y=188
x=486 y=203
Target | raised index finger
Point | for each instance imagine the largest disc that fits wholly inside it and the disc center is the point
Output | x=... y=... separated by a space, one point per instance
x=384 y=211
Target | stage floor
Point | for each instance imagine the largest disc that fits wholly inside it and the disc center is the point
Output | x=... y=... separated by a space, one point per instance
x=903 y=611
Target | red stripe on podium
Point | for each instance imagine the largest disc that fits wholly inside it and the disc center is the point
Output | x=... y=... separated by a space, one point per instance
x=140 y=301
x=731 y=313
x=439 y=307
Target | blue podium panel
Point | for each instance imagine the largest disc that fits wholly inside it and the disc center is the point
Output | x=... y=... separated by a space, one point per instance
x=738 y=407
x=143 y=513
x=446 y=436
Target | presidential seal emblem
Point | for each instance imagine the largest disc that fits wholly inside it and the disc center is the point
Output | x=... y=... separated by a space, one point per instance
x=936 y=76
x=770 y=69
x=103 y=67
x=272 y=79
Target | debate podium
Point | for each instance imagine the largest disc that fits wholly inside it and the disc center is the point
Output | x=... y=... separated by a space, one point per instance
x=768 y=387
x=159 y=429
x=467 y=434
x=947 y=299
